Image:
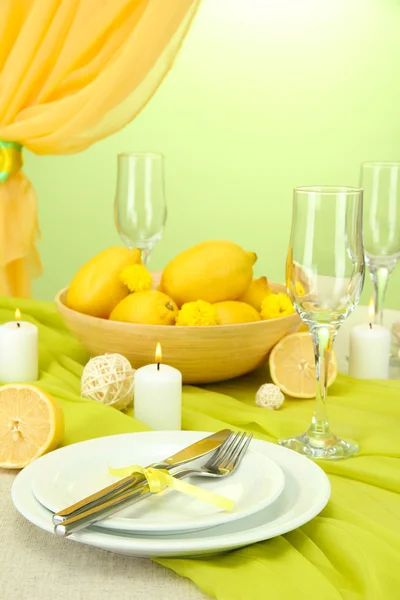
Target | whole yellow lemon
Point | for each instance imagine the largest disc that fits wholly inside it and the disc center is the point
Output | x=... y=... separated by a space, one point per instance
x=212 y=271
x=148 y=308
x=97 y=288
x=256 y=292
x=232 y=312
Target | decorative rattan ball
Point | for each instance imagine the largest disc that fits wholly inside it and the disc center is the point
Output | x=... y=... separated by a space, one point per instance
x=109 y=380
x=396 y=339
x=269 y=396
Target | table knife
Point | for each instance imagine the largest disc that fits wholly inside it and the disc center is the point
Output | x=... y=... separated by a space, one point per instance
x=192 y=452
x=81 y=520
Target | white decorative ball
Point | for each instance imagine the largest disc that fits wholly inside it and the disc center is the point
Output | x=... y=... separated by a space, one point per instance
x=269 y=396
x=109 y=380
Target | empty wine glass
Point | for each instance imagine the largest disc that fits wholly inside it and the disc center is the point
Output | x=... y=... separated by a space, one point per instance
x=140 y=209
x=324 y=277
x=381 y=184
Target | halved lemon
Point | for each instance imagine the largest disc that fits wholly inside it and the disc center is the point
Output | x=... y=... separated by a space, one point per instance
x=292 y=366
x=31 y=423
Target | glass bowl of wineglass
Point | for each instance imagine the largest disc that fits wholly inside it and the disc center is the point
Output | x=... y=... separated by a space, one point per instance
x=140 y=208
x=381 y=184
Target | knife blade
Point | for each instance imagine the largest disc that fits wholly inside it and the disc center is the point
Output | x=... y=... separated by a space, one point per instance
x=192 y=452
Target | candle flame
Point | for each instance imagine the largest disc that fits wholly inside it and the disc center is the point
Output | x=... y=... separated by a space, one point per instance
x=371 y=311
x=158 y=353
x=17 y=314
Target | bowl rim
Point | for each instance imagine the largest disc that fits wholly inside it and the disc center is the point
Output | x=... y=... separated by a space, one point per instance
x=58 y=301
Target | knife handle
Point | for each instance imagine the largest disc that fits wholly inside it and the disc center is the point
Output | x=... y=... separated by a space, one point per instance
x=103 y=495
x=99 y=512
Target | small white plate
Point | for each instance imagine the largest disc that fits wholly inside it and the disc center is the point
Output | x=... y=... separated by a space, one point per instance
x=72 y=473
x=305 y=494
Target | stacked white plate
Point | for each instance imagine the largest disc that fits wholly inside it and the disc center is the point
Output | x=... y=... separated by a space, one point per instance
x=275 y=491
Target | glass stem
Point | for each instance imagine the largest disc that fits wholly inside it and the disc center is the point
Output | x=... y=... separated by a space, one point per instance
x=323 y=338
x=380 y=278
x=145 y=255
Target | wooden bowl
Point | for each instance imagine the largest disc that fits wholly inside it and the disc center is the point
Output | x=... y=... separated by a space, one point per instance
x=202 y=354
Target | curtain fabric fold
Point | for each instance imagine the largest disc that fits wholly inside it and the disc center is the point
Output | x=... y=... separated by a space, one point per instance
x=71 y=73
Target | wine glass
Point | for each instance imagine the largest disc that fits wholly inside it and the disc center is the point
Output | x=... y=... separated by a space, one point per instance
x=324 y=276
x=140 y=209
x=381 y=184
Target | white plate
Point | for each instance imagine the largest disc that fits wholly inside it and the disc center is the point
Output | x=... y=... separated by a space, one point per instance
x=72 y=473
x=305 y=494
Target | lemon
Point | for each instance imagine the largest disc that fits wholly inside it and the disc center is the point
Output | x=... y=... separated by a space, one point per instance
x=212 y=271
x=292 y=366
x=148 y=308
x=231 y=312
x=97 y=288
x=256 y=292
x=31 y=423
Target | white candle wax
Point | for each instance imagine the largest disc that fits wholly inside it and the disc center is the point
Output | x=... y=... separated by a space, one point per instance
x=158 y=397
x=19 y=360
x=369 y=352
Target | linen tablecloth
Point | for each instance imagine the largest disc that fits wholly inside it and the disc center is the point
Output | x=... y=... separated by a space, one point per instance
x=351 y=550
x=37 y=566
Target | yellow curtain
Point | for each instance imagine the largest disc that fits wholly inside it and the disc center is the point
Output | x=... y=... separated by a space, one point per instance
x=71 y=73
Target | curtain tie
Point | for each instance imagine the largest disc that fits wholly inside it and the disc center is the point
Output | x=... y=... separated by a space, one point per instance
x=10 y=159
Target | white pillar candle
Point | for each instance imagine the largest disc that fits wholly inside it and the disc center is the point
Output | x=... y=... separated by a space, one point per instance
x=158 y=396
x=369 y=351
x=19 y=360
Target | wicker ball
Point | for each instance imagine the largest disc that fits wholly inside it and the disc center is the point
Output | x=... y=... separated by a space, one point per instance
x=396 y=339
x=269 y=396
x=109 y=380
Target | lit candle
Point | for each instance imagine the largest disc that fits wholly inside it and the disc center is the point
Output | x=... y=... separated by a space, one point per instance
x=369 y=350
x=158 y=395
x=18 y=351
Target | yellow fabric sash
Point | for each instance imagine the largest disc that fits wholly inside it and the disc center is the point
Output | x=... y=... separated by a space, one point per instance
x=10 y=159
x=159 y=479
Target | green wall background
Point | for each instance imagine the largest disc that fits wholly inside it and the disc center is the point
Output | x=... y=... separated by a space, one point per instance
x=264 y=96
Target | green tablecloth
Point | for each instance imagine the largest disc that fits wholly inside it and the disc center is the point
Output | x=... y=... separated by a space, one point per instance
x=351 y=550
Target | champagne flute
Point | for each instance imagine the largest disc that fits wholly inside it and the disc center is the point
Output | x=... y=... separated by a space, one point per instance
x=381 y=184
x=140 y=209
x=324 y=276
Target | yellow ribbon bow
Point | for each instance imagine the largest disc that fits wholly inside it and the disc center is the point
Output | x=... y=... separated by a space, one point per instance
x=159 y=479
x=10 y=159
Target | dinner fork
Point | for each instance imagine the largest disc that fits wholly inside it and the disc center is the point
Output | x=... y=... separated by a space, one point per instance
x=222 y=463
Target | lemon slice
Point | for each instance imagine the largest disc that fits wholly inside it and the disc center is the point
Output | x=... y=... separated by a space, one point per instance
x=292 y=366
x=31 y=423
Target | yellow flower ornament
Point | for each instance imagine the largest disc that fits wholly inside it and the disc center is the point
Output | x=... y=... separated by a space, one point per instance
x=299 y=289
x=275 y=306
x=136 y=278
x=198 y=313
